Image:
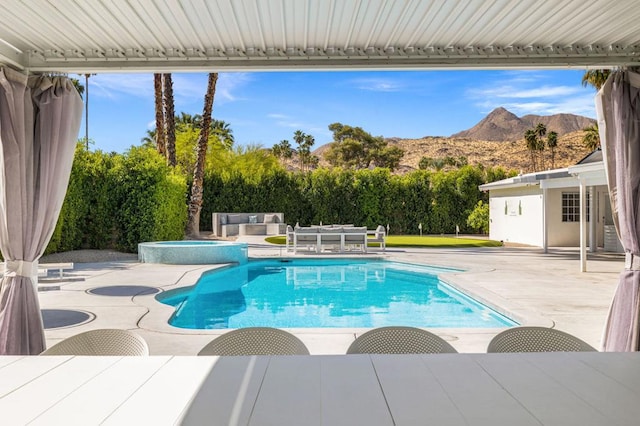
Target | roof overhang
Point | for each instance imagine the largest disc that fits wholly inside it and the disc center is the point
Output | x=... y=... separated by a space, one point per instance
x=222 y=35
x=590 y=174
x=530 y=179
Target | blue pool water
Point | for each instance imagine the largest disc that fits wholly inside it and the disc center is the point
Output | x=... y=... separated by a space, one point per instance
x=326 y=293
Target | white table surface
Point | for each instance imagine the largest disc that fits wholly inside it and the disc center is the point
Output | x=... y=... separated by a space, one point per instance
x=448 y=389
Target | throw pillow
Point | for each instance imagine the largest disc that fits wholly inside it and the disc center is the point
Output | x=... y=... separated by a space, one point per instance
x=253 y=219
x=223 y=219
x=270 y=218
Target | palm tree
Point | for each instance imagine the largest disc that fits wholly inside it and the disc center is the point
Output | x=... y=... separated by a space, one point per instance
x=223 y=132
x=298 y=137
x=531 y=138
x=282 y=150
x=595 y=78
x=150 y=139
x=169 y=119
x=541 y=132
x=188 y=120
x=79 y=87
x=159 y=134
x=195 y=201
x=591 y=138
x=552 y=143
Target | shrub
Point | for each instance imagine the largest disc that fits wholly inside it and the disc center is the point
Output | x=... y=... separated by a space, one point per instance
x=151 y=198
x=117 y=201
x=478 y=220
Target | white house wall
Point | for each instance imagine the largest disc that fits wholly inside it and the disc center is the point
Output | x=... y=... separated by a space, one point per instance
x=515 y=215
x=561 y=234
x=523 y=223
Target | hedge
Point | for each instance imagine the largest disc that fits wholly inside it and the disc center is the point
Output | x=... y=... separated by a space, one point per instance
x=439 y=200
x=119 y=200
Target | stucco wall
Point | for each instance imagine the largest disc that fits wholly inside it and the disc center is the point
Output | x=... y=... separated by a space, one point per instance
x=522 y=220
x=561 y=234
x=515 y=215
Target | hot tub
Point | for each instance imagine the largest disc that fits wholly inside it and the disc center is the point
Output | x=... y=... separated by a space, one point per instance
x=192 y=252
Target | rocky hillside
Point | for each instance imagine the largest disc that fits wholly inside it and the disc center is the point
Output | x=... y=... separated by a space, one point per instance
x=503 y=125
x=497 y=140
x=511 y=155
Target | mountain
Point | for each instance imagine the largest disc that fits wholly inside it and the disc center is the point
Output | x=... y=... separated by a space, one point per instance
x=503 y=125
x=497 y=140
x=511 y=155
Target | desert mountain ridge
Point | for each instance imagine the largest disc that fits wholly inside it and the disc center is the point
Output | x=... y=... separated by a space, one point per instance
x=496 y=141
x=503 y=125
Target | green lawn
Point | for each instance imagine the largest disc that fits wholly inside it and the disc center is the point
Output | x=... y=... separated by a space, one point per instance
x=418 y=241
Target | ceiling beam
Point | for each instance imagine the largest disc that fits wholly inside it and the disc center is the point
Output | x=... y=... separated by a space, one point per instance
x=254 y=59
x=12 y=56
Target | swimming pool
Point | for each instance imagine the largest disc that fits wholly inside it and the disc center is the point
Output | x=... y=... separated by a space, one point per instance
x=306 y=293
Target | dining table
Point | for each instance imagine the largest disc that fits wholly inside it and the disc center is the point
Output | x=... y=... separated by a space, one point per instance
x=555 y=388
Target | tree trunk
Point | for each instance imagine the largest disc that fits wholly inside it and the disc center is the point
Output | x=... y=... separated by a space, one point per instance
x=195 y=201
x=170 y=120
x=161 y=143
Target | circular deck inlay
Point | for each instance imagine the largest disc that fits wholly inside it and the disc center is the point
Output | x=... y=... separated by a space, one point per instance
x=124 y=290
x=60 y=318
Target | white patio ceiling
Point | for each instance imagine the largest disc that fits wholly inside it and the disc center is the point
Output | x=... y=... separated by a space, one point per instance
x=219 y=35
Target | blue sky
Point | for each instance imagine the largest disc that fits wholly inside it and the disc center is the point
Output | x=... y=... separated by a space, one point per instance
x=266 y=107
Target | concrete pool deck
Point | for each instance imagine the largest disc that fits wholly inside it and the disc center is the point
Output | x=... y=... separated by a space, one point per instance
x=526 y=284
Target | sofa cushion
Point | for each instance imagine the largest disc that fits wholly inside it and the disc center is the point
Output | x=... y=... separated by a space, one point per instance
x=237 y=218
x=271 y=218
x=253 y=218
x=307 y=230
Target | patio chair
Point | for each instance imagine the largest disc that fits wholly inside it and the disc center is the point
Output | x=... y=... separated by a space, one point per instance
x=255 y=341
x=356 y=237
x=536 y=339
x=289 y=238
x=102 y=342
x=399 y=340
x=379 y=236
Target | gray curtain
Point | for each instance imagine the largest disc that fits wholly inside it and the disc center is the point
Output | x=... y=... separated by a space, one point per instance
x=39 y=122
x=618 y=108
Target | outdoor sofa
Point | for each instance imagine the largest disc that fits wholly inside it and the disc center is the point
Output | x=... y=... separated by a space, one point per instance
x=237 y=224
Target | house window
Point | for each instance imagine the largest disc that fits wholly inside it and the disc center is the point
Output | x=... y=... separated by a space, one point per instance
x=571 y=206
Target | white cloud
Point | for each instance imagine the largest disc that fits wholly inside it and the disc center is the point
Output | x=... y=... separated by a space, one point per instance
x=283 y=120
x=530 y=93
x=187 y=88
x=114 y=86
x=510 y=91
x=278 y=116
x=378 y=84
x=229 y=83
